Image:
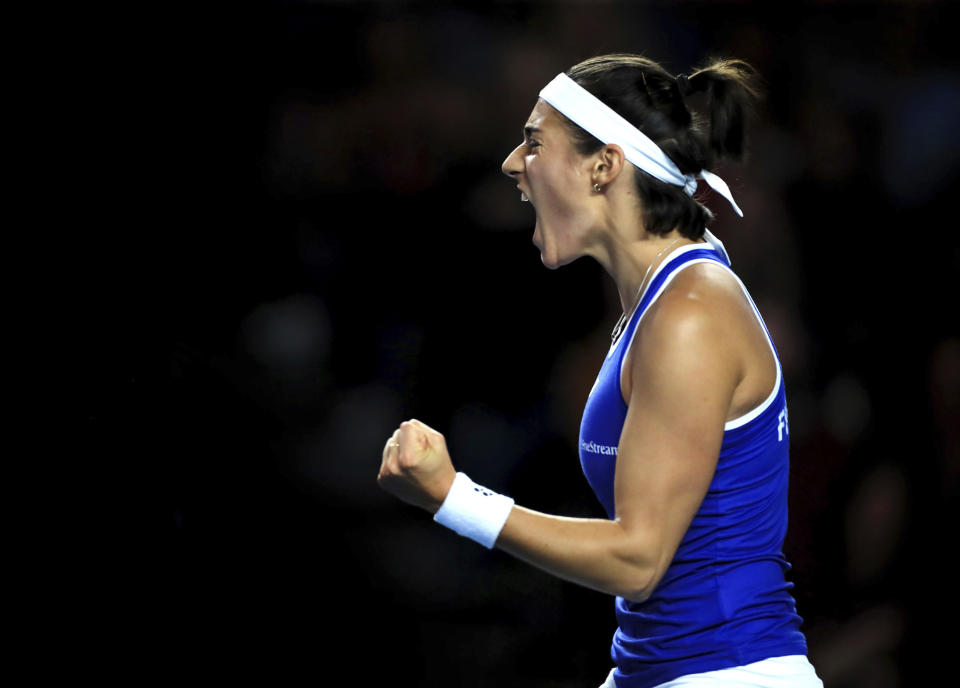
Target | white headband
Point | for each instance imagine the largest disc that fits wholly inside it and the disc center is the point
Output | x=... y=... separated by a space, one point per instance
x=589 y=112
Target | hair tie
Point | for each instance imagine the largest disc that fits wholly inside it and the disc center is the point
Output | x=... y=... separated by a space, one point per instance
x=683 y=85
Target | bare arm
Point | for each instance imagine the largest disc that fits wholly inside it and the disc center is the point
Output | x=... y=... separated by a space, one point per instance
x=682 y=382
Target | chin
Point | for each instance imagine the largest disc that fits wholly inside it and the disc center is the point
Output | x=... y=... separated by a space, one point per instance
x=548 y=258
x=550 y=265
x=552 y=261
x=553 y=254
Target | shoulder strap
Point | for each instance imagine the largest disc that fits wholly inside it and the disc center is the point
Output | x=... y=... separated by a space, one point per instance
x=663 y=275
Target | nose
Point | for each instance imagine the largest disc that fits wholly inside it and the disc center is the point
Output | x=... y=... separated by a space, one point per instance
x=513 y=165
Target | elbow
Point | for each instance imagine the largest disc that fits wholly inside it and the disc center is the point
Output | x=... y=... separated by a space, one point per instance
x=641 y=575
x=642 y=559
x=637 y=595
x=640 y=586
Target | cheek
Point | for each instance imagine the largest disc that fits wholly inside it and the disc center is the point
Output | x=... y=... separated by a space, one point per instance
x=556 y=192
x=565 y=207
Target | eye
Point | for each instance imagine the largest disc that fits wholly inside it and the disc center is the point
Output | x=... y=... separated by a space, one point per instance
x=531 y=144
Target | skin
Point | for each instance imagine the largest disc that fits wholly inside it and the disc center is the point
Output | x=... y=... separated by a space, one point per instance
x=699 y=359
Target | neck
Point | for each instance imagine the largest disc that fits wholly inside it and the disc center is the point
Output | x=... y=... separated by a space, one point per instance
x=632 y=263
x=623 y=246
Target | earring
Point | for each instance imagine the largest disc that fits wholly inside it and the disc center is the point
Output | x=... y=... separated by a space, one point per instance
x=596 y=188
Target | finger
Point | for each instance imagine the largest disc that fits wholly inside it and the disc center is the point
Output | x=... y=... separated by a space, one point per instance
x=392 y=440
x=393 y=451
x=384 y=464
x=389 y=453
x=412 y=443
x=421 y=425
x=429 y=433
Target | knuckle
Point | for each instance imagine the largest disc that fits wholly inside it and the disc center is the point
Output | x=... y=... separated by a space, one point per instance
x=407 y=462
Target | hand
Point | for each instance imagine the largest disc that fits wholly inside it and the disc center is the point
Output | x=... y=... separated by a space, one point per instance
x=416 y=466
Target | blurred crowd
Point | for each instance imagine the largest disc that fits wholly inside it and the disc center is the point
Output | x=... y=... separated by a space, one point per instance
x=343 y=253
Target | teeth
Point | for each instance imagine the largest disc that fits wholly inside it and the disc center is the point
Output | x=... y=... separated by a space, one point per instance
x=523 y=197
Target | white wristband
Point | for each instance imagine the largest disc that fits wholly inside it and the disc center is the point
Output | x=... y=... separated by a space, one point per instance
x=474 y=511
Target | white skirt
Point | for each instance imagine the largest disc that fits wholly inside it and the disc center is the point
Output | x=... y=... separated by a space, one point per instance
x=794 y=671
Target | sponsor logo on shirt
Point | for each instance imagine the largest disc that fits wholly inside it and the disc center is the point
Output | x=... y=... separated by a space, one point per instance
x=594 y=448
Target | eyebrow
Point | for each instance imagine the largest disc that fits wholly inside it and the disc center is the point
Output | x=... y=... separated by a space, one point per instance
x=530 y=129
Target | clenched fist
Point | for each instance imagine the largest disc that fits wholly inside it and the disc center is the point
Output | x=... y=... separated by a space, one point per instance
x=416 y=466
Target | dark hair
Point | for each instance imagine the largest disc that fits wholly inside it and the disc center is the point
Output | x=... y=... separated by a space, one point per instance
x=654 y=101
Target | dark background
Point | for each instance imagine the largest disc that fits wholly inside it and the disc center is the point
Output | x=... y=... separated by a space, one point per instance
x=320 y=245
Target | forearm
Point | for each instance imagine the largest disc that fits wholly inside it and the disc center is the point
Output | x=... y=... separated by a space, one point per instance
x=625 y=557
x=596 y=553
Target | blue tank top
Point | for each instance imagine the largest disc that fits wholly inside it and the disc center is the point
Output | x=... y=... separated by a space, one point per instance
x=724 y=600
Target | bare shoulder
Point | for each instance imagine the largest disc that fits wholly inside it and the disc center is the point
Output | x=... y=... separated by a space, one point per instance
x=702 y=302
x=705 y=289
x=695 y=323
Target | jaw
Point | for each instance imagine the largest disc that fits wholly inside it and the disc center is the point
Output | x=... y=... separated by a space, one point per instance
x=554 y=253
x=543 y=246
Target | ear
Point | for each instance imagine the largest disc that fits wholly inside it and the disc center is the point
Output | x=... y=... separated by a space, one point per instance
x=608 y=164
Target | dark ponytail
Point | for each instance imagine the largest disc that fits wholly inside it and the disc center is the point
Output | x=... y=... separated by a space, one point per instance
x=730 y=97
x=656 y=102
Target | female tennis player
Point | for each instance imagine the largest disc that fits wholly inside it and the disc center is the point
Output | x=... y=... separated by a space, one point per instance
x=684 y=437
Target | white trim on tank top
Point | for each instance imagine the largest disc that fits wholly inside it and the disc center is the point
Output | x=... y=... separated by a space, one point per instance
x=753 y=413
